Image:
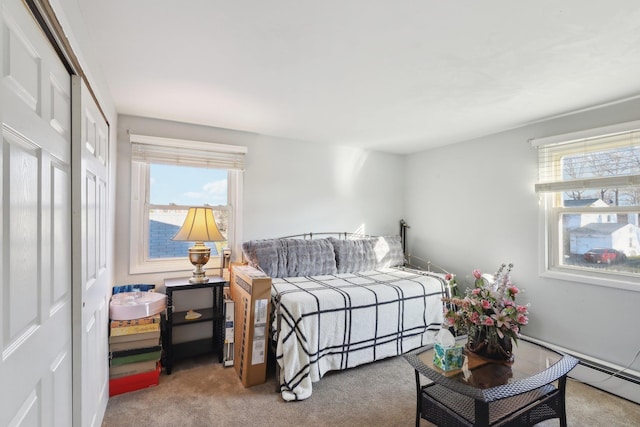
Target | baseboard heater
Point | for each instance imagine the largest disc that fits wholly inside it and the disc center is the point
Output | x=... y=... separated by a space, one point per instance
x=602 y=375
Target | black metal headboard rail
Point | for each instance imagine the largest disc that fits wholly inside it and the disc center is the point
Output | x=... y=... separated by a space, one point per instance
x=339 y=234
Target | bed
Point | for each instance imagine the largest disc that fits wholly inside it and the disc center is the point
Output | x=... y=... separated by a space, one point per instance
x=338 y=303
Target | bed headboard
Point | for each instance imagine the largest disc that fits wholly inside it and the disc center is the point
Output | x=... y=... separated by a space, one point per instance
x=323 y=235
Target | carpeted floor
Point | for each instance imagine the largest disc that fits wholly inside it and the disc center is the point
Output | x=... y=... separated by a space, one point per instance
x=202 y=393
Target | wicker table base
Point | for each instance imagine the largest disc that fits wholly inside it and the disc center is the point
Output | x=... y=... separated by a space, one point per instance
x=445 y=408
x=522 y=393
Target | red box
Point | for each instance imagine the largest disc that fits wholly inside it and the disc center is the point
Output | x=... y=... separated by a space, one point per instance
x=134 y=382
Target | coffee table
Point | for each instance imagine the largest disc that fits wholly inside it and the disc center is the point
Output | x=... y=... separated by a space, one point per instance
x=524 y=392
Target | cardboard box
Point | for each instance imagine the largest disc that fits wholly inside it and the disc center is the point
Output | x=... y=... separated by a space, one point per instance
x=128 y=369
x=230 y=266
x=134 y=382
x=447 y=358
x=251 y=293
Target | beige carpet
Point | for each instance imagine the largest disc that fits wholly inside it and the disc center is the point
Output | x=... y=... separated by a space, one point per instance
x=202 y=393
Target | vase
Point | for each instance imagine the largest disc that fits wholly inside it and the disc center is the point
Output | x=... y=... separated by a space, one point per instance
x=490 y=347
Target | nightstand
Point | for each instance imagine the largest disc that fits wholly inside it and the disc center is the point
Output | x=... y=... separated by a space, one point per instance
x=214 y=314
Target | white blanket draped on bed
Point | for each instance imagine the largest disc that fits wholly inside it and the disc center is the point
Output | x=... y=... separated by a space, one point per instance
x=344 y=320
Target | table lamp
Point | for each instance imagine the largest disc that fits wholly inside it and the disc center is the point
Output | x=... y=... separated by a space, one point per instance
x=199 y=227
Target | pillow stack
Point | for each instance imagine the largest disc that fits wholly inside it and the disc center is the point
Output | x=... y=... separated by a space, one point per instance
x=306 y=257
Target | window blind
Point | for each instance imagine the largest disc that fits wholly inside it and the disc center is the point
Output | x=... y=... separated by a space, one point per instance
x=594 y=161
x=151 y=149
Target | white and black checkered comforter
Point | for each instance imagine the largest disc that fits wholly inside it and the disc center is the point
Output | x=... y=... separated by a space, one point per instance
x=344 y=320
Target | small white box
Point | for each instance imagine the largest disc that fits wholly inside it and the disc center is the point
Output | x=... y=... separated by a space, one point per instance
x=229 y=311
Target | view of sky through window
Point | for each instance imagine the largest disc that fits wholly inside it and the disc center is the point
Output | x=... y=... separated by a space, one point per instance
x=187 y=186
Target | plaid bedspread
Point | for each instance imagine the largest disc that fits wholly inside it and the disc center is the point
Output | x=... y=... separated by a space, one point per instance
x=325 y=323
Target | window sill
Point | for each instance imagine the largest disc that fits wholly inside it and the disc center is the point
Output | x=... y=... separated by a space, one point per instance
x=160 y=266
x=171 y=265
x=573 y=275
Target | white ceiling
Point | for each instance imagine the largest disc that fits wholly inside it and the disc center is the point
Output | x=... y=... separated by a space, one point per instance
x=398 y=76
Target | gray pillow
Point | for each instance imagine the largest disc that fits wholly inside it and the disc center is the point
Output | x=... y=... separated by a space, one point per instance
x=354 y=255
x=388 y=250
x=309 y=257
x=268 y=255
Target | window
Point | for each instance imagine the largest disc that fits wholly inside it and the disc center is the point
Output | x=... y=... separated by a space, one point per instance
x=172 y=190
x=589 y=184
x=167 y=177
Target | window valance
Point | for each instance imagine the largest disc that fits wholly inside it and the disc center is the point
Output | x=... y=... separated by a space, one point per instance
x=600 y=158
x=151 y=149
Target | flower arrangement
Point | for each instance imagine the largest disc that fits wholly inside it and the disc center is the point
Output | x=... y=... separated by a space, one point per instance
x=488 y=313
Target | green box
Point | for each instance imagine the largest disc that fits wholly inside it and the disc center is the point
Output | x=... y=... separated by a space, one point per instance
x=448 y=358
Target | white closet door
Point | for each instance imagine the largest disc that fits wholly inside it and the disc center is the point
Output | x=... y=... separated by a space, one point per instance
x=35 y=255
x=90 y=272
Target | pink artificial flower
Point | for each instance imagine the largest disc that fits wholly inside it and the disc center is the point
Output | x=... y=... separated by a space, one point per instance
x=488 y=321
x=522 y=309
x=514 y=291
x=486 y=304
x=475 y=318
x=501 y=320
x=508 y=303
x=476 y=291
x=522 y=319
x=448 y=276
x=477 y=273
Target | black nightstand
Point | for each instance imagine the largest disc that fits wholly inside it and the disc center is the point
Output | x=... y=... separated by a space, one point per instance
x=213 y=314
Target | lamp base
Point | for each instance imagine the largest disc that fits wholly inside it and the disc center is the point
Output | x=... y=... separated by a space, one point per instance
x=199 y=256
x=199 y=279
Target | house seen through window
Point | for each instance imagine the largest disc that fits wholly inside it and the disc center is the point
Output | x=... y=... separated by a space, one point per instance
x=173 y=189
x=591 y=187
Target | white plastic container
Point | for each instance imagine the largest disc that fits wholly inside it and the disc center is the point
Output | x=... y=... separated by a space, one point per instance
x=135 y=305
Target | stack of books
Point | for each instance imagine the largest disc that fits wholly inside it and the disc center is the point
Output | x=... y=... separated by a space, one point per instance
x=134 y=352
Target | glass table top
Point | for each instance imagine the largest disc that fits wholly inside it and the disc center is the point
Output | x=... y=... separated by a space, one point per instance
x=533 y=366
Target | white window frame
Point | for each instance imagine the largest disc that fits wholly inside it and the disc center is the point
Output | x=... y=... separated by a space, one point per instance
x=195 y=154
x=550 y=228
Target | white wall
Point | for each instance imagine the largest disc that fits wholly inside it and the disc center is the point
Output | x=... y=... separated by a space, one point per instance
x=473 y=205
x=293 y=187
x=289 y=187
